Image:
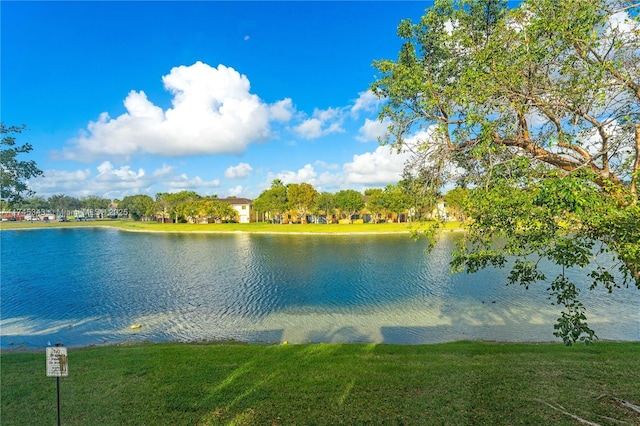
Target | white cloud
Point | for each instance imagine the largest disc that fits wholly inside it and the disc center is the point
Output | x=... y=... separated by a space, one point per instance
x=309 y=129
x=163 y=171
x=60 y=182
x=237 y=172
x=306 y=174
x=326 y=181
x=212 y=112
x=235 y=192
x=282 y=110
x=111 y=182
x=367 y=101
x=106 y=173
x=380 y=167
x=325 y=165
x=184 y=183
x=326 y=114
x=371 y=130
x=323 y=122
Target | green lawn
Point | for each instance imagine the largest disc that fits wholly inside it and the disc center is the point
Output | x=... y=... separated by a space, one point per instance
x=228 y=227
x=327 y=384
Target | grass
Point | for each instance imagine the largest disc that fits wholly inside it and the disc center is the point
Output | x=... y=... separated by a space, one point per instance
x=463 y=383
x=257 y=227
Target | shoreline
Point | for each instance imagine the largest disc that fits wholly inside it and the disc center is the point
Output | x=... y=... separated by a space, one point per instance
x=131 y=227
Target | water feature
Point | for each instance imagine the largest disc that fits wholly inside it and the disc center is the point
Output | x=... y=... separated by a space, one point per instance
x=88 y=286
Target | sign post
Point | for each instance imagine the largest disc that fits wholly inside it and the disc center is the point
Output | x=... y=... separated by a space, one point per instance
x=57 y=366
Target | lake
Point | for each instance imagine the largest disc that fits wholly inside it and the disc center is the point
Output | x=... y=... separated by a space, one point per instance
x=89 y=286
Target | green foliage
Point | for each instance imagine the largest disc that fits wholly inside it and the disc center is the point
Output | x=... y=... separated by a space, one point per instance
x=301 y=198
x=566 y=220
x=273 y=200
x=167 y=203
x=349 y=201
x=326 y=204
x=13 y=172
x=199 y=210
x=536 y=111
x=456 y=200
x=62 y=202
x=396 y=200
x=93 y=202
x=376 y=203
x=138 y=206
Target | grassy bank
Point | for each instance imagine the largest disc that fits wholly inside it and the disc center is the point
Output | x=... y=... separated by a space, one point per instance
x=258 y=227
x=327 y=384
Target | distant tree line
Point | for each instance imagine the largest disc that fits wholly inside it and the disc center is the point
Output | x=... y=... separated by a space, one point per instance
x=302 y=202
x=281 y=203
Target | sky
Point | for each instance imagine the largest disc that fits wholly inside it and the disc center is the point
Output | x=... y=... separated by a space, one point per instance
x=124 y=98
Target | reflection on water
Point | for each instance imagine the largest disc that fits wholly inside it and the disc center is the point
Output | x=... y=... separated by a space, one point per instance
x=88 y=286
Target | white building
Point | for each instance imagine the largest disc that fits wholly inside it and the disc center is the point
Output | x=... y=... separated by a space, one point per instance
x=242 y=206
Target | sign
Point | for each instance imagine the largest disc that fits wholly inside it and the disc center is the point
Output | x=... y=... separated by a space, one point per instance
x=57 y=362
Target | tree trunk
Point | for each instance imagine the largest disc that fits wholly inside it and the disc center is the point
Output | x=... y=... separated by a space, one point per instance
x=635 y=176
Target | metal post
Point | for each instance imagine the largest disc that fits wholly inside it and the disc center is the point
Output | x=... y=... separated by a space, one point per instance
x=58 y=389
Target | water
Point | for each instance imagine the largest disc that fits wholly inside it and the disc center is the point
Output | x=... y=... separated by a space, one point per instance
x=88 y=286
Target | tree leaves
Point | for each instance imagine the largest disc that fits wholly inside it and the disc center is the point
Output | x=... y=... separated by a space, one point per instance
x=14 y=172
x=537 y=109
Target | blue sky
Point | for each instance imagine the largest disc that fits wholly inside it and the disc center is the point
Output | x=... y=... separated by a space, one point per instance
x=221 y=98
x=125 y=98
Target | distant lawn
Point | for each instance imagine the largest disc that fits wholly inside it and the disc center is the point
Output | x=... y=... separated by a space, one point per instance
x=228 y=227
x=328 y=384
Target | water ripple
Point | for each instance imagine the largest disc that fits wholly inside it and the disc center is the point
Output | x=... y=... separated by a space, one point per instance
x=89 y=286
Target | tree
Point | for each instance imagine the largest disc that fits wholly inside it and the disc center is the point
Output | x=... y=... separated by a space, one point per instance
x=198 y=210
x=64 y=204
x=376 y=203
x=326 y=203
x=167 y=203
x=37 y=203
x=223 y=211
x=537 y=111
x=138 y=206
x=273 y=201
x=422 y=194
x=93 y=202
x=456 y=199
x=349 y=201
x=302 y=198
x=14 y=172
x=396 y=201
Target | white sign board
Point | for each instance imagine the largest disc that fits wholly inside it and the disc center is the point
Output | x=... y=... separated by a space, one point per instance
x=57 y=362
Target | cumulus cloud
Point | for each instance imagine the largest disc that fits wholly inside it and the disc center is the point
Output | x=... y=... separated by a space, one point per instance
x=282 y=111
x=367 y=101
x=163 y=171
x=371 y=130
x=323 y=122
x=183 y=182
x=380 y=167
x=235 y=191
x=306 y=174
x=331 y=120
x=309 y=129
x=212 y=112
x=238 y=172
x=325 y=165
x=107 y=173
x=116 y=182
x=59 y=181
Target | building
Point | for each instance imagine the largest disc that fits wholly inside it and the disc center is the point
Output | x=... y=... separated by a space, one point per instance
x=242 y=206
